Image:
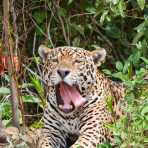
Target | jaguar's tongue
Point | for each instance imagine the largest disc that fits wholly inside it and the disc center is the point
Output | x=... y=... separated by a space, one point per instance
x=70 y=94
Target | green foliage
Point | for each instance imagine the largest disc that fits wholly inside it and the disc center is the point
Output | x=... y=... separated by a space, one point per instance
x=121 y=27
x=104 y=145
x=39 y=88
x=109 y=104
x=5 y=110
x=5 y=105
x=37 y=124
x=131 y=129
x=141 y=4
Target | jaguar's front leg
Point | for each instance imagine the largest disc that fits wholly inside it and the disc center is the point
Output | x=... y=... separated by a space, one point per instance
x=90 y=138
x=52 y=135
x=92 y=128
x=51 y=139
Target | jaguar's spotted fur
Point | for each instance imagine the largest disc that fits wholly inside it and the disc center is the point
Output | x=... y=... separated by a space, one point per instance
x=84 y=124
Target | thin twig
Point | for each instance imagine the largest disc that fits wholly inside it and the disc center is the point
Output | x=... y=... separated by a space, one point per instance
x=101 y=34
x=34 y=45
x=32 y=72
x=62 y=24
x=79 y=14
x=24 y=23
x=39 y=27
x=41 y=114
x=48 y=32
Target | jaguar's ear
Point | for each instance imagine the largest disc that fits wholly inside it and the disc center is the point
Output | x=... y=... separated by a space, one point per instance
x=98 y=56
x=43 y=52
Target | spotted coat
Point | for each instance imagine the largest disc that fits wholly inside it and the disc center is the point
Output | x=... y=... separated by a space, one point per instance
x=84 y=127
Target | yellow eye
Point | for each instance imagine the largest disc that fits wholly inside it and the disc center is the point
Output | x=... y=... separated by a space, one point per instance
x=79 y=61
x=55 y=60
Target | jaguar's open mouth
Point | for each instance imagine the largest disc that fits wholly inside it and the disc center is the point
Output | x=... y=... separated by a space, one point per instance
x=68 y=97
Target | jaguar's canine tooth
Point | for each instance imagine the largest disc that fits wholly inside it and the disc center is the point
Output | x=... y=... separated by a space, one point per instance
x=63 y=107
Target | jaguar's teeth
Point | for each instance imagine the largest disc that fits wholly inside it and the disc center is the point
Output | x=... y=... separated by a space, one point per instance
x=71 y=107
x=60 y=106
x=67 y=107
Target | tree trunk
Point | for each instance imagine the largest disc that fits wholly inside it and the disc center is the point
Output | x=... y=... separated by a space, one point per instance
x=8 y=43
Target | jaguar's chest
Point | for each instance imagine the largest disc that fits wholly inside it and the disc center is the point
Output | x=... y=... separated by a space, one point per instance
x=71 y=126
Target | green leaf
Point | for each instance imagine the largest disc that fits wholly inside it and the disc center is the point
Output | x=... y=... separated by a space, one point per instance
x=107 y=71
x=39 y=16
x=113 y=31
x=78 y=28
x=91 y=10
x=144 y=113
x=62 y=12
x=141 y=4
x=144 y=110
x=4 y=91
x=37 y=84
x=103 y=16
x=76 y=42
x=110 y=103
x=70 y=1
x=140 y=27
x=126 y=66
x=145 y=60
x=146 y=140
x=135 y=58
x=119 y=75
x=30 y=99
x=5 y=110
x=104 y=145
x=119 y=66
x=40 y=30
x=122 y=7
x=37 y=124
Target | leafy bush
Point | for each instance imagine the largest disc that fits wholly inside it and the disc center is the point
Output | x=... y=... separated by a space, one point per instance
x=131 y=129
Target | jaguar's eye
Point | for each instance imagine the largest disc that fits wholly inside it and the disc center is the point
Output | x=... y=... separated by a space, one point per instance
x=78 y=61
x=55 y=60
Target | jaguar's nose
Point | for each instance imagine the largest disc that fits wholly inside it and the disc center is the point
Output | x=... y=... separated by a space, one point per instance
x=63 y=73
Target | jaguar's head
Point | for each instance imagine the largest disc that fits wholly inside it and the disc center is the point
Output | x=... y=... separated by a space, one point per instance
x=71 y=71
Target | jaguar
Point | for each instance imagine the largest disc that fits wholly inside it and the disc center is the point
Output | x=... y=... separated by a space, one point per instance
x=77 y=95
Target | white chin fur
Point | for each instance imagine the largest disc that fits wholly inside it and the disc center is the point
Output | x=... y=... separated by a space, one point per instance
x=69 y=82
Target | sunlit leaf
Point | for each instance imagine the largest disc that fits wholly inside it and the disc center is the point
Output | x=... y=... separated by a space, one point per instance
x=76 y=42
x=122 y=7
x=78 y=28
x=91 y=10
x=106 y=71
x=5 y=110
x=119 y=66
x=70 y=1
x=4 y=91
x=144 y=111
x=62 y=12
x=141 y=4
x=39 y=16
x=112 y=31
x=145 y=60
x=30 y=99
x=103 y=16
